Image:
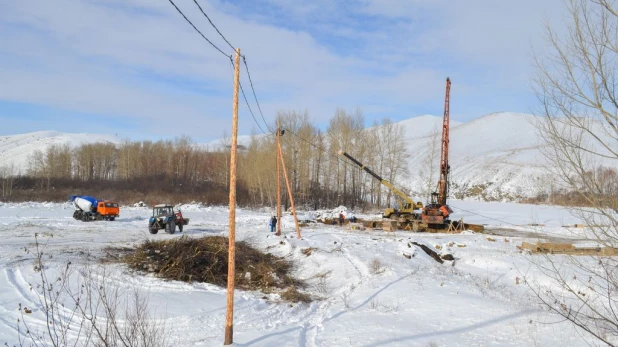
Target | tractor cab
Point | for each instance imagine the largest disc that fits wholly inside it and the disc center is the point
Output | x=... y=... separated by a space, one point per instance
x=162 y=210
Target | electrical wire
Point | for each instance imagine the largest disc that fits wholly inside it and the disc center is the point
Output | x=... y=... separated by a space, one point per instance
x=324 y=150
x=196 y=29
x=249 y=107
x=213 y=25
x=497 y=220
x=247 y=101
x=480 y=215
x=231 y=60
x=254 y=95
x=246 y=66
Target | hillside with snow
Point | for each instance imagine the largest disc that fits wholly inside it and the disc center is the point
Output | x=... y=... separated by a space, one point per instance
x=15 y=150
x=223 y=143
x=494 y=157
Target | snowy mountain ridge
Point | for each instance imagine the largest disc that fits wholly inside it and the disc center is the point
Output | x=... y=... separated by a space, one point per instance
x=15 y=150
x=493 y=157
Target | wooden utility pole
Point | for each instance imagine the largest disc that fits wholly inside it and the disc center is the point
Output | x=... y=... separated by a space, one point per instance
x=287 y=184
x=278 y=182
x=231 y=267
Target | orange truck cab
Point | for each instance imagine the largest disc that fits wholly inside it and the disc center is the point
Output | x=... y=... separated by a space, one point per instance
x=109 y=210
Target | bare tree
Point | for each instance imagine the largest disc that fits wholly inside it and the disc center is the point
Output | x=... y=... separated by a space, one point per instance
x=578 y=119
x=82 y=308
x=429 y=165
x=7 y=175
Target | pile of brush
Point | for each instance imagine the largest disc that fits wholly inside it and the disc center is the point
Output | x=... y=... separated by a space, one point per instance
x=206 y=260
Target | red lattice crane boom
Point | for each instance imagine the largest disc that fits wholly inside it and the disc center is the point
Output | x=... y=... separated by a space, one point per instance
x=436 y=213
x=444 y=166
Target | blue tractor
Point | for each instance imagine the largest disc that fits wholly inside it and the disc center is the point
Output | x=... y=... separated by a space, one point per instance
x=164 y=217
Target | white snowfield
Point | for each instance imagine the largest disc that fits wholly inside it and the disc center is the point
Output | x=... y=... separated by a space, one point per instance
x=368 y=293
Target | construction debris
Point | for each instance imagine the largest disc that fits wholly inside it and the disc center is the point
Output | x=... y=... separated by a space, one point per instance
x=429 y=252
x=390 y=225
x=356 y=226
x=567 y=248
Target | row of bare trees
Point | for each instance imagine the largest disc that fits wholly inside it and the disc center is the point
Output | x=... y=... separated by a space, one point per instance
x=319 y=177
x=179 y=159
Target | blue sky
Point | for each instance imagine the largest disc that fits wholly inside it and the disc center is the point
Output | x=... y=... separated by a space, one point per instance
x=135 y=68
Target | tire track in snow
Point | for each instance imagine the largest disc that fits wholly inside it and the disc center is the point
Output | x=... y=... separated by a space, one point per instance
x=12 y=280
x=311 y=331
x=23 y=297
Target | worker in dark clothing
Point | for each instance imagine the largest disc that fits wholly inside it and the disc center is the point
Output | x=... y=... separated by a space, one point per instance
x=273 y=224
x=341 y=218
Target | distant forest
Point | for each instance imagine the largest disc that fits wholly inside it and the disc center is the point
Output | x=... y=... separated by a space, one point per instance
x=181 y=171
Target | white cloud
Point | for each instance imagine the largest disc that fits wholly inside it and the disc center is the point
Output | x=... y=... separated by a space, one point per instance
x=140 y=59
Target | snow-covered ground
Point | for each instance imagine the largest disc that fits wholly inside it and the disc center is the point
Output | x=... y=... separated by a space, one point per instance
x=369 y=293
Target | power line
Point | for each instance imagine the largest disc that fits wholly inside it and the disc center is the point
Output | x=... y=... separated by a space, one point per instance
x=196 y=29
x=249 y=107
x=246 y=100
x=244 y=61
x=323 y=150
x=213 y=24
x=254 y=95
x=498 y=220
x=231 y=60
x=480 y=215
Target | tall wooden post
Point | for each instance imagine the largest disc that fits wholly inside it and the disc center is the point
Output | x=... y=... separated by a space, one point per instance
x=287 y=184
x=231 y=267
x=278 y=181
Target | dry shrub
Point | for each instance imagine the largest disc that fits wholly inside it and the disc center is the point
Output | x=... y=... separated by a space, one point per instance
x=308 y=251
x=206 y=259
x=293 y=295
x=376 y=266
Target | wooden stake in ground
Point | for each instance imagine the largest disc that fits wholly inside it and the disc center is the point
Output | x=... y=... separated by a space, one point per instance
x=231 y=267
x=287 y=184
x=278 y=182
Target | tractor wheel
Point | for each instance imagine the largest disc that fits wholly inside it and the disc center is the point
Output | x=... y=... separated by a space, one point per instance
x=180 y=227
x=76 y=214
x=153 y=229
x=111 y=218
x=170 y=227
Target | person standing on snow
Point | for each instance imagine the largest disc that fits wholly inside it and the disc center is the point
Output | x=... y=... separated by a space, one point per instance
x=341 y=218
x=272 y=224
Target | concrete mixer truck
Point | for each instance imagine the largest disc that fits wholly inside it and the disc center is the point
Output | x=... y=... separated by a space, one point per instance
x=88 y=208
